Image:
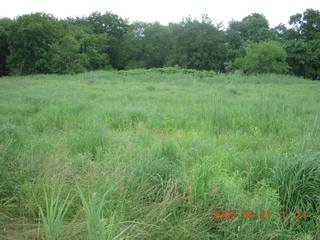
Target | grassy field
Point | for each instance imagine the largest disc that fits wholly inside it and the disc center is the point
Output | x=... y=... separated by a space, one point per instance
x=153 y=154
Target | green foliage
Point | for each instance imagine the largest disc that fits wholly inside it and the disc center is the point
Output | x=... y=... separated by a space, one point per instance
x=5 y=25
x=64 y=56
x=301 y=40
x=255 y=28
x=53 y=215
x=29 y=39
x=40 y=43
x=93 y=50
x=307 y=24
x=107 y=23
x=152 y=44
x=198 y=45
x=304 y=58
x=79 y=52
x=264 y=57
x=170 y=70
x=115 y=28
x=94 y=219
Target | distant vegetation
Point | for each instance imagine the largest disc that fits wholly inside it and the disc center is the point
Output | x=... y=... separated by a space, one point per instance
x=41 y=43
x=153 y=154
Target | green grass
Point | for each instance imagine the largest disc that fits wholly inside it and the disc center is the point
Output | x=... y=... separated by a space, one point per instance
x=53 y=216
x=149 y=154
x=94 y=220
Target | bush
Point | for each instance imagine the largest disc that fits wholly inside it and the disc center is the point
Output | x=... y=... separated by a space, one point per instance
x=298 y=180
x=170 y=70
x=264 y=57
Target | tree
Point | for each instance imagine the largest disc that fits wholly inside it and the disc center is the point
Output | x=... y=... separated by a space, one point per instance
x=233 y=32
x=40 y=43
x=5 y=25
x=252 y=28
x=255 y=28
x=302 y=43
x=152 y=41
x=116 y=29
x=30 y=38
x=198 y=45
x=304 y=58
x=234 y=44
x=64 y=56
x=264 y=57
x=93 y=49
x=307 y=24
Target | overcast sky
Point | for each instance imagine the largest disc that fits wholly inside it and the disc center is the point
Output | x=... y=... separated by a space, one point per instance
x=164 y=11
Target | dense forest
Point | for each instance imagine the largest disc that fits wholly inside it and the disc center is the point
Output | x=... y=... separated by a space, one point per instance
x=41 y=43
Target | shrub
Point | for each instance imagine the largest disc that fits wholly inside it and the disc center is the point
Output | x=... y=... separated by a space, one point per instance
x=298 y=180
x=264 y=57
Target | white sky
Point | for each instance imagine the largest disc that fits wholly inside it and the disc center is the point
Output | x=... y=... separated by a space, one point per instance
x=164 y=11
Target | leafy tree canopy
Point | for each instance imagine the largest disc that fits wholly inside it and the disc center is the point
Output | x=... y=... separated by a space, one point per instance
x=264 y=57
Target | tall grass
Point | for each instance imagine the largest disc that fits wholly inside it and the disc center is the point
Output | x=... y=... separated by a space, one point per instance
x=297 y=180
x=94 y=219
x=148 y=154
x=53 y=215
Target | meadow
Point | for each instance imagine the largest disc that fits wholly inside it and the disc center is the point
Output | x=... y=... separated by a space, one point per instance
x=153 y=154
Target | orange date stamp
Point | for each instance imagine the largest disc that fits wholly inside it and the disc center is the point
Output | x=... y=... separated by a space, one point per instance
x=262 y=215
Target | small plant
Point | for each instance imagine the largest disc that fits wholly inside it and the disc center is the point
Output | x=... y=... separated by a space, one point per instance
x=94 y=219
x=151 y=88
x=53 y=215
x=233 y=90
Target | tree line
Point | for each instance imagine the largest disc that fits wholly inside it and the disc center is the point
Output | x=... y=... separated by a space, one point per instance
x=41 y=43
